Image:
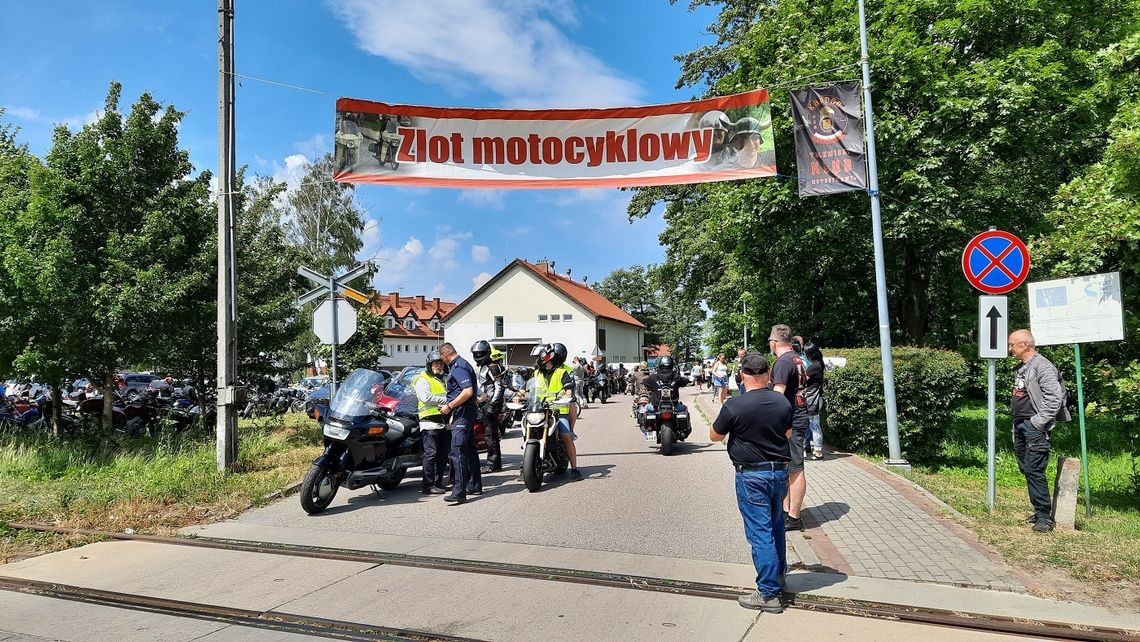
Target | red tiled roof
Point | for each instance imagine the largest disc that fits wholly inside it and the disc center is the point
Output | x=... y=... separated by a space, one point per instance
x=661 y=350
x=423 y=309
x=580 y=292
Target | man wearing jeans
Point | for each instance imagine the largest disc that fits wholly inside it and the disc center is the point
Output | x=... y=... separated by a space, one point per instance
x=1038 y=402
x=757 y=426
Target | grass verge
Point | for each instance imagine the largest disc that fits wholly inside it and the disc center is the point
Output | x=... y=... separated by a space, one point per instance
x=153 y=485
x=1103 y=553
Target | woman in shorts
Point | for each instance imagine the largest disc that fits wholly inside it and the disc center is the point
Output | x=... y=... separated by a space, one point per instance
x=720 y=378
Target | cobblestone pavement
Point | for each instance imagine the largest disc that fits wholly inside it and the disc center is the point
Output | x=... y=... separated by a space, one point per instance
x=877 y=531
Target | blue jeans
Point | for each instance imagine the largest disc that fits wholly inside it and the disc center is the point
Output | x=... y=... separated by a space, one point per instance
x=760 y=497
x=815 y=429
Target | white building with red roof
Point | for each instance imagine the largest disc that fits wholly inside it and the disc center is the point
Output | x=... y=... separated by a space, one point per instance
x=528 y=304
x=413 y=327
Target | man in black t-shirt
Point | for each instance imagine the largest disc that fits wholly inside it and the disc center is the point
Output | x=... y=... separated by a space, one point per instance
x=756 y=424
x=786 y=374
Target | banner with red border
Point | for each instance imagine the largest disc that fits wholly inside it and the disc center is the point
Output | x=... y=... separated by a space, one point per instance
x=716 y=139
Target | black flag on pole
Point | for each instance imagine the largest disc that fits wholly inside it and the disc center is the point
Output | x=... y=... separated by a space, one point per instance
x=829 y=139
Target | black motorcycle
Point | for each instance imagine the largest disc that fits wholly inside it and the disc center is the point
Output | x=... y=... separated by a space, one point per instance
x=668 y=422
x=599 y=387
x=367 y=443
x=543 y=451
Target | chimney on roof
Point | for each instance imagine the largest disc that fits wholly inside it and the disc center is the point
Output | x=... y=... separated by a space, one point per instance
x=435 y=302
x=542 y=266
x=420 y=301
x=393 y=300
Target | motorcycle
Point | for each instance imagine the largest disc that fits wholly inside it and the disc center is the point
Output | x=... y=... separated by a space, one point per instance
x=600 y=387
x=543 y=451
x=367 y=443
x=667 y=424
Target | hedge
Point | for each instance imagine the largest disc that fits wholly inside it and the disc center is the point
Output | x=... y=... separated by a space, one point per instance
x=929 y=385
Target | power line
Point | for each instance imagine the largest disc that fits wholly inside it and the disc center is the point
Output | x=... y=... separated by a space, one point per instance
x=280 y=84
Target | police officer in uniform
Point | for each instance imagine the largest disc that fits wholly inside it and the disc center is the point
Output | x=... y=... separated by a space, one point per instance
x=492 y=386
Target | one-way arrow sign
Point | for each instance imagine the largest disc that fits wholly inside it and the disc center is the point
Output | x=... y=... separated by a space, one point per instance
x=993 y=327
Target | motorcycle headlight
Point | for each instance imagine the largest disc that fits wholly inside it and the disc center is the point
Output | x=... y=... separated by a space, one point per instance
x=335 y=432
x=535 y=417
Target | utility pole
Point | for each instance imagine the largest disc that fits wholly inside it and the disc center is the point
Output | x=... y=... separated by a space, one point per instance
x=227 y=301
x=894 y=452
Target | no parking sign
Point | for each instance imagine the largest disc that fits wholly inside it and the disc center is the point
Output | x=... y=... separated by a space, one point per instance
x=995 y=262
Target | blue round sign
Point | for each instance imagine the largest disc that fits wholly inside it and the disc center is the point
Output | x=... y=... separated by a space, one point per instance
x=995 y=262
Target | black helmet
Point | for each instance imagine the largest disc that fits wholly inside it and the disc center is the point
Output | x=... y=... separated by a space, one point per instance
x=481 y=351
x=553 y=355
x=665 y=364
x=432 y=357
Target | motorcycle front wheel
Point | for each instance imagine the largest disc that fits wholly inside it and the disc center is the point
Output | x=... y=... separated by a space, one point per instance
x=667 y=440
x=318 y=489
x=532 y=468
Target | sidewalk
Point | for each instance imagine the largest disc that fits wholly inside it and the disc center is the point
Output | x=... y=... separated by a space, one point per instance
x=859 y=521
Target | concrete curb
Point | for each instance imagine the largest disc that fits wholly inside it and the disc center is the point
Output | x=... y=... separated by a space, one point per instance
x=281 y=493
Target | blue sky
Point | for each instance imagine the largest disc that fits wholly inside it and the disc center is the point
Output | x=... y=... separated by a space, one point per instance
x=59 y=58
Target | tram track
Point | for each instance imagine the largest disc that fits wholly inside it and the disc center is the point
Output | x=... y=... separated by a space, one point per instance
x=266 y=620
x=860 y=608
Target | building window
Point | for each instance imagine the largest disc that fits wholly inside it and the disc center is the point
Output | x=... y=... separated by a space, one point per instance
x=389 y=322
x=407 y=348
x=399 y=348
x=555 y=318
x=542 y=318
x=410 y=323
x=601 y=339
x=498 y=327
x=567 y=317
x=435 y=324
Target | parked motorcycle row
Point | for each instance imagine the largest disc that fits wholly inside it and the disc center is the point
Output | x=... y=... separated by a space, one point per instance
x=135 y=410
x=372 y=436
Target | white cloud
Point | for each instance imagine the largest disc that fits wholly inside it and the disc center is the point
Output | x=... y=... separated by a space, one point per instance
x=292 y=171
x=520 y=231
x=315 y=147
x=370 y=237
x=480 y=253
x=23 y=113
x=484 y=198
x=396 y=265
x=515 y=48
x=479 y=279
x=77 y=122
x=442 y=253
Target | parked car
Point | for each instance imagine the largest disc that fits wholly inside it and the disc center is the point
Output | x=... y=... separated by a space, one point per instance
x=136 y=382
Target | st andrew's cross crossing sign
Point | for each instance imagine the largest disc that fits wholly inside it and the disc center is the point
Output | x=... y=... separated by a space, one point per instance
x=995 y=262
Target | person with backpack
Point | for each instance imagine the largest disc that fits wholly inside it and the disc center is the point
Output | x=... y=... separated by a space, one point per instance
x=813 y=396
x=789 y=378
x=1038 y=402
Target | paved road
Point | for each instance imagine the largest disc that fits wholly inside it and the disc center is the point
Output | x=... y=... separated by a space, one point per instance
x=634 y=500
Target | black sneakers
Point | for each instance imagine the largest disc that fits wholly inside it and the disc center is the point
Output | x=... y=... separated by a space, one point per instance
x=1043 y=525
x=793 y=523
x=575 y=475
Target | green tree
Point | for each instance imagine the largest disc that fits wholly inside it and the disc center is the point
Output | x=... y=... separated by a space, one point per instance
x=365 y=347
x=92 y=249
x=980 y=119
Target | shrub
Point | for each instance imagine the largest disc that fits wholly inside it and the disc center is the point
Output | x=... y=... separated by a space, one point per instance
x=929 y=384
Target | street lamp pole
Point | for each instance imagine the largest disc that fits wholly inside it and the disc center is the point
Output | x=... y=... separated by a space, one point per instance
x=745 y=304
x=894 y=451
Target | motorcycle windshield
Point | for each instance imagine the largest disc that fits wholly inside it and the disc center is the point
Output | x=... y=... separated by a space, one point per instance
x=533 y=403
x=356 y=396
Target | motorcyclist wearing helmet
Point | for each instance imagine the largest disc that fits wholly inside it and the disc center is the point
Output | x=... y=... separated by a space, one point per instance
x=666 y=377
x=746 y=140
x=719 y=123
x=492 y=385
x=431 y=391
x=556 y=381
